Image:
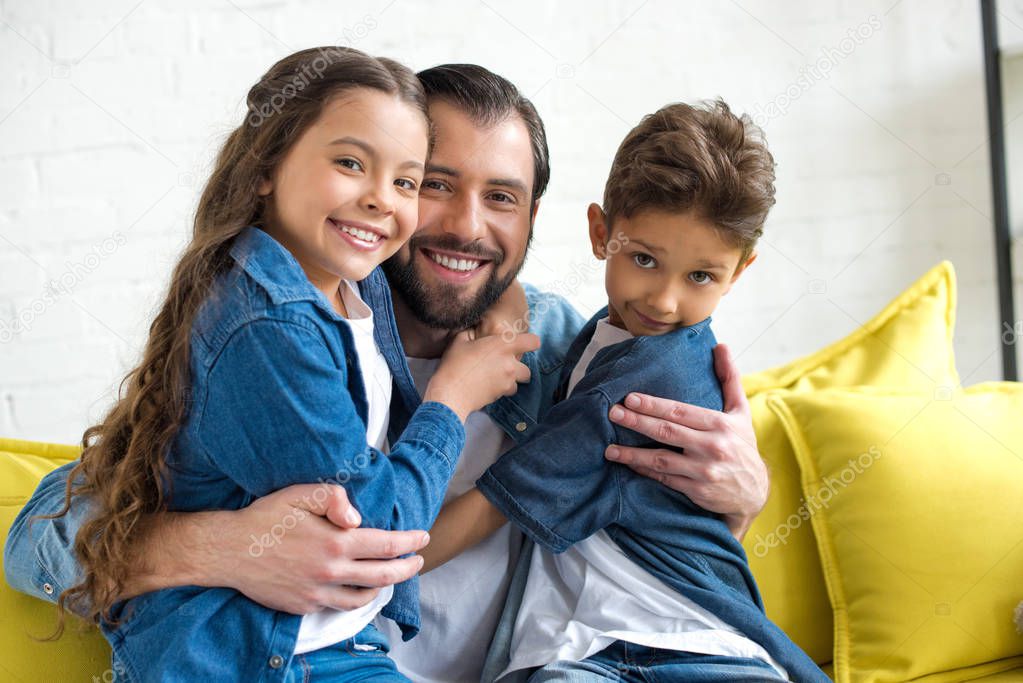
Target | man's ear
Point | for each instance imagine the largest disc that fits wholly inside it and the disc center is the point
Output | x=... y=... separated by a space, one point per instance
x=532 y=214
x=739 y=270
x=598 y=230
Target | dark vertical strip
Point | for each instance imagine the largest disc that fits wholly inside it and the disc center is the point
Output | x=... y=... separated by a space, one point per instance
x=999 y=188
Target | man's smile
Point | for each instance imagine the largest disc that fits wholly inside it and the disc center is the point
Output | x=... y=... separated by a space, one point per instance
x=454 y=266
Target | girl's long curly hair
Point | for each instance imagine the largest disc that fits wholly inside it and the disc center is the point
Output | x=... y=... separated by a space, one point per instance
x=123 y=458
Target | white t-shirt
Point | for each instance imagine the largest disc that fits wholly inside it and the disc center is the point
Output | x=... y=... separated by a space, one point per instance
x=329 y=626
x=460 y=601
x=578 y=602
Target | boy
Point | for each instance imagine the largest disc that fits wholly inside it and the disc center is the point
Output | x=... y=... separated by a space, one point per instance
x=644 y=581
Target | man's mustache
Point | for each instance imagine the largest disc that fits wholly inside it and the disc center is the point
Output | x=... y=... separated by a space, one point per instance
x=451 y=243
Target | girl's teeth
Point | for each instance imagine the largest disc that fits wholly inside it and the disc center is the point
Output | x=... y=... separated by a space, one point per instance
x=455 y=264
x=361 y=234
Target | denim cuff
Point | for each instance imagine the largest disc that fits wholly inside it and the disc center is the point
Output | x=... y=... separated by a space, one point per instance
x=438 y=426
x=504 y=501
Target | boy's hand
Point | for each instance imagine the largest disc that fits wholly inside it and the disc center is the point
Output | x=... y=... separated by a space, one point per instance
x=720 y=468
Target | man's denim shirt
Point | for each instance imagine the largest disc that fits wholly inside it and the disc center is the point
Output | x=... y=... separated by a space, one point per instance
x=559 y=488
x=39 y=558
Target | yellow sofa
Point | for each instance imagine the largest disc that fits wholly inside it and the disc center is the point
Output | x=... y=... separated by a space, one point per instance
x=814 y=590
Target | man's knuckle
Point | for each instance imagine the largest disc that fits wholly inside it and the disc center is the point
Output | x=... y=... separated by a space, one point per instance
x=665 y=432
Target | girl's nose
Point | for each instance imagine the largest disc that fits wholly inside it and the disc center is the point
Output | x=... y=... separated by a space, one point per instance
x=379 y=198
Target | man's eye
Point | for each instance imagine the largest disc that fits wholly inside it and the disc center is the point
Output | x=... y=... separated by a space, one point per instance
x=434 y=185
x=406 y=184
x=502 y=197
x=349 y=163
x=701 y=277
x=644 y=260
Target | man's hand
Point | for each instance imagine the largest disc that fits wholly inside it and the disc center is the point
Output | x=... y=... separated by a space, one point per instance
x=720 y=469
x=297 y=550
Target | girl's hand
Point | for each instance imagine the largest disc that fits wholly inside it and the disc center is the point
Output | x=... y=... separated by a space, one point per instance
x=508 y=316
x=476 y=372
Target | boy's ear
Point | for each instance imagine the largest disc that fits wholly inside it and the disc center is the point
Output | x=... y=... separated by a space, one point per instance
x=598 y=230
x=739 y=270
x=266 y=187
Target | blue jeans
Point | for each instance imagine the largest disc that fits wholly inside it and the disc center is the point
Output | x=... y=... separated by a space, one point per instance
x=363 y=657
x=632 y=663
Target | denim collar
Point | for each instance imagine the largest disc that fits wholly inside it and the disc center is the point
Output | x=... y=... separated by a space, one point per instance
x=276 y=270
x=575 y=351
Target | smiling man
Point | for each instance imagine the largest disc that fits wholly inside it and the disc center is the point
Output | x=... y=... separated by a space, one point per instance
x=478 y=205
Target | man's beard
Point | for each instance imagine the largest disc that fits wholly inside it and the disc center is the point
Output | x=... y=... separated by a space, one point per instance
x=440 y=305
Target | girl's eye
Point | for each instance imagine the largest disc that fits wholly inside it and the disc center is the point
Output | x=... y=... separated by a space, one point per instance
x=349 y=163
x=406 y=184
x=701 y=277
x=644 y=260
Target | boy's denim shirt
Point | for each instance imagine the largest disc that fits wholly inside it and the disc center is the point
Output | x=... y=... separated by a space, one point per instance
x=558 y=487
x=277 y=399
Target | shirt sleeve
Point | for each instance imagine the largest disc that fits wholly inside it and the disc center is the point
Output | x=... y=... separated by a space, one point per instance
x=557 y=486
x=39 y=557
x=277 y=412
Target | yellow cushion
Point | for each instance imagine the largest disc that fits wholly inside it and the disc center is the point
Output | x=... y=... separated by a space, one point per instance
x=908 y=344
x=916 y=506
x=82 y=653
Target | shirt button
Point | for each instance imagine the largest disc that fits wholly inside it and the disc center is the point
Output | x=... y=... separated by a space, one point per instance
x=48 y=589
x=521 y=427
x=276 y=662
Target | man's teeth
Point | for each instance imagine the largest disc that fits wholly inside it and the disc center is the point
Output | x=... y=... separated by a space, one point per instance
x=455 y=264
x=363 y=235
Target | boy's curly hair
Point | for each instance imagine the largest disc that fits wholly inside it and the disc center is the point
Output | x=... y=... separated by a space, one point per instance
x=701 y=159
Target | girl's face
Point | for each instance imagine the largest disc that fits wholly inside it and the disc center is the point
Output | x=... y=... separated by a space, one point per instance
x=345 y=196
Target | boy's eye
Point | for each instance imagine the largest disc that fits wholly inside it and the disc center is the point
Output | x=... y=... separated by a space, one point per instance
x=406 y=184
x=701 y=277
x=644 y=260
x=349 y=163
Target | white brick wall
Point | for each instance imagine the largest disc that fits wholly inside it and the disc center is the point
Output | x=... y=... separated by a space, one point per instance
x=109 y=117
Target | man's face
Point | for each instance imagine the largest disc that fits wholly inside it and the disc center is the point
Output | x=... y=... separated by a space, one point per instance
x=475 y=216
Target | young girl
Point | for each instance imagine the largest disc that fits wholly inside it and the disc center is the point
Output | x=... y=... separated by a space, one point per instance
x=268 y=365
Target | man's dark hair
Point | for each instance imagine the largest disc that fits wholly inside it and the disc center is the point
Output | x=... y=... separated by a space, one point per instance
x=489 y=99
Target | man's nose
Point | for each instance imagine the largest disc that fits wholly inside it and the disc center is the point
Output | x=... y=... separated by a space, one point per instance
x=464 y=220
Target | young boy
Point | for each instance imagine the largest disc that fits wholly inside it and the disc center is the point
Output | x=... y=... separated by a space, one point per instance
x=631 y=578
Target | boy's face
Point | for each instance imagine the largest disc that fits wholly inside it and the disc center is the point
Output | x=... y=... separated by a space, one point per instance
x=665 y=270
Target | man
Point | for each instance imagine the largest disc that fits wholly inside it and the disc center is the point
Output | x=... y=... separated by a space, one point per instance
x=299 y=549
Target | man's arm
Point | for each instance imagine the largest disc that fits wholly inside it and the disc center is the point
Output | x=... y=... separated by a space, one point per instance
x=461 y=524
x=720 y=469
x=321 y=561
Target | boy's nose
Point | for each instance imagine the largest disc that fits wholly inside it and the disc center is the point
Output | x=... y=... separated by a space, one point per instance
x=664 y=302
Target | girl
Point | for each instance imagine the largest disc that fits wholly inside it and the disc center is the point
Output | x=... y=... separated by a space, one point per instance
x=268 y=366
